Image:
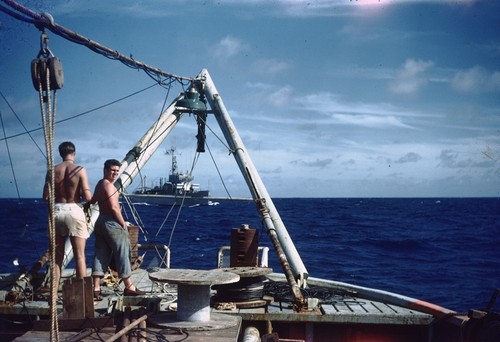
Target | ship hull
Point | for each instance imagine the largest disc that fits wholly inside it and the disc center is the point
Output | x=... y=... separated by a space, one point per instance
x=169 y=200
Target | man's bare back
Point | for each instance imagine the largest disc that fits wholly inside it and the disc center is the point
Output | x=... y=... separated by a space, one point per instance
x=71 y=183
x=70 y=180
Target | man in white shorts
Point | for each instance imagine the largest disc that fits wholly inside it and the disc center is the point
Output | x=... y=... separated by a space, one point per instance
x=71 y=185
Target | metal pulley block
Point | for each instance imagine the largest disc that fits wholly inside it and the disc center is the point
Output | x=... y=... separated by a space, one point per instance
x=45 y=63
x=39 y=69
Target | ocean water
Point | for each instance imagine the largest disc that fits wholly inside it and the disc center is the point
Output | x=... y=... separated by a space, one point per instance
x=445 y=251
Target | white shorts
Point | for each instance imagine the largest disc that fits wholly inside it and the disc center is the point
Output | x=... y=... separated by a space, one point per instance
x=70 y=220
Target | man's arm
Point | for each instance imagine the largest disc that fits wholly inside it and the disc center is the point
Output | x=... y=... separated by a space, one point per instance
x=85 y=192
x=114 y=205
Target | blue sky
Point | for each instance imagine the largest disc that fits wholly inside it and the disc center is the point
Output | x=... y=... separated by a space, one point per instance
x=332 y=98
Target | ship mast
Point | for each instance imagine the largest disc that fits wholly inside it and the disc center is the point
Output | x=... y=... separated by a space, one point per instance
x=173 y=169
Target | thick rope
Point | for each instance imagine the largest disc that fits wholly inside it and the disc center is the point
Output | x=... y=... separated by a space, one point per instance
x=48 y=125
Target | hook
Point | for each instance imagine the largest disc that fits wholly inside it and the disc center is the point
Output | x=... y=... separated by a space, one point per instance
x=44 y=46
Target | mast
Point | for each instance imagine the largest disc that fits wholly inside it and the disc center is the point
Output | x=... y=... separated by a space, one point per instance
x=269 y=214
x=173 y=161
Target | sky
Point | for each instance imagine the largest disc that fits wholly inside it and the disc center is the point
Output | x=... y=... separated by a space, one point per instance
x=332 y=98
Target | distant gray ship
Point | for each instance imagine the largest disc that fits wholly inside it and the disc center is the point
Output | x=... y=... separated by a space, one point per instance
x=178 y=190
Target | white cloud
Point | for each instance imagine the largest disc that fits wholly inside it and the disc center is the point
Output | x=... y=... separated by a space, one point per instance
x=270 y=66
x=411 y=77
x=410 y=157
x=475 y=79
x=356 y=113
x=318 y=163
x=368 y=120
x=280 y=97
x=271 y=94
x=228 y=47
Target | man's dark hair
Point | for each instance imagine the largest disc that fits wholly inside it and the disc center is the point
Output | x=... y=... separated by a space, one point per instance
x=111 y=162
x=66 y=148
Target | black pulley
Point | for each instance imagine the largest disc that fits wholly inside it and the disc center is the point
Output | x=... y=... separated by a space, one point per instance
x=45 y=62
x=39 y=69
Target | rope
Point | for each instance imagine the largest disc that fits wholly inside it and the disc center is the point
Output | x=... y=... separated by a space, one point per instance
x=48 y=115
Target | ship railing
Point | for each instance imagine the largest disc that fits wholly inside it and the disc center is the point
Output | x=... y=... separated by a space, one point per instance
x=165 y=259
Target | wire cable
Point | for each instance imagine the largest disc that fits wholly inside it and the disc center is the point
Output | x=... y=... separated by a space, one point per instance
x=10 y=158
x=82 y=113
x=22 y=124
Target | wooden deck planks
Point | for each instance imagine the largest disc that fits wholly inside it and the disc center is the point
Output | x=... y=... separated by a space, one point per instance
x=368 y=311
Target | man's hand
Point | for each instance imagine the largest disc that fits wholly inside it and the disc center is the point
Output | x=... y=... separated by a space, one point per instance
x=86 y=206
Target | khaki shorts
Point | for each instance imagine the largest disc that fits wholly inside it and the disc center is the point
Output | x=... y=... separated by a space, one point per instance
x=70 y=220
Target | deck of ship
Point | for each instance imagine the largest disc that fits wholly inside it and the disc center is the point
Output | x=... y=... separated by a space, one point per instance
x=351 y=315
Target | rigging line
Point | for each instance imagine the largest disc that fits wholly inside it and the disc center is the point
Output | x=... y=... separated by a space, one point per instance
x=217 y=136
x=174 y=226
x=218 y=170
x=195 y=161
x=154 y=239
x=84 y=113
x=10 y=158
x=45 y=20
x=195 y=158
x=30 y=234
x=163 y=223
x=136 y=216
x=22 y=124
x=165 y=220
x=175 y=222
x=212 y=157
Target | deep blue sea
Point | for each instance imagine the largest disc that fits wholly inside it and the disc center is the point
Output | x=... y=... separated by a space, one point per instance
x=446 y=251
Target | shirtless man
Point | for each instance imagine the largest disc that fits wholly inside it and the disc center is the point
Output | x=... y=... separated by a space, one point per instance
x=71 y=185
x=111 y=232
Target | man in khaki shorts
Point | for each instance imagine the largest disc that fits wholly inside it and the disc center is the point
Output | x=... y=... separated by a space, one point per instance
x=71 y=185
